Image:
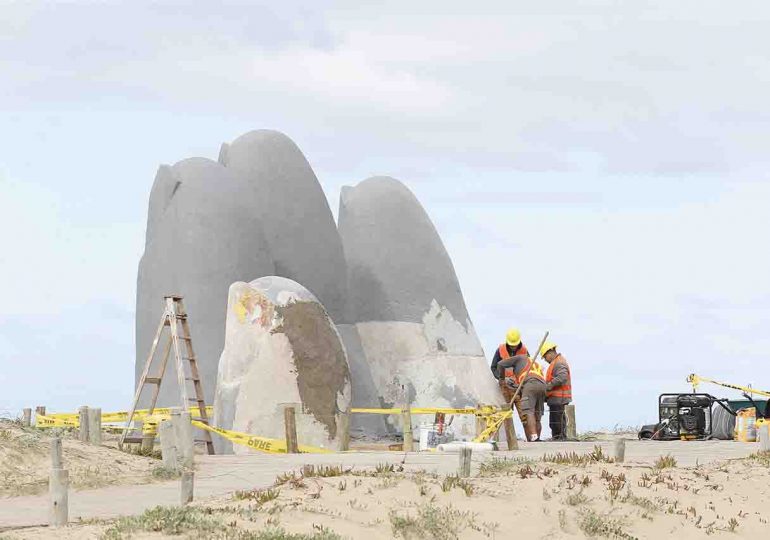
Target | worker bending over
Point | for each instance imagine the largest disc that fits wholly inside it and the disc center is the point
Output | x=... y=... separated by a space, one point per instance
x=558 y=387
x=513 y=347
x=512 y=366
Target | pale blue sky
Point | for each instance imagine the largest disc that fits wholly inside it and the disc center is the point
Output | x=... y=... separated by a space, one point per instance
x=599 y=171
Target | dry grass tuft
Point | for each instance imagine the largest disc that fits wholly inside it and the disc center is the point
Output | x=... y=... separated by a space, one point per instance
x=597 y=525
x=431 y=522
x=665 y=462
x=573 y=458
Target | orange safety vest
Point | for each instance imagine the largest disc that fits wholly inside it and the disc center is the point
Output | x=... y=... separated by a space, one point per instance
x=532 y=369
x=563 y=391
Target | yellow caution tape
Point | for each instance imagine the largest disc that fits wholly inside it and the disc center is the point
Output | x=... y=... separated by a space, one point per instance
x=51 y=422
x=122 y=416
x=482 y=411
x=494 y=422
x=376 y=411
x=261 y=444
x=149 y=422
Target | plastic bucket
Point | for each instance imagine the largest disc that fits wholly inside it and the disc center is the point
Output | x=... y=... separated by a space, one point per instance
x=746 y=425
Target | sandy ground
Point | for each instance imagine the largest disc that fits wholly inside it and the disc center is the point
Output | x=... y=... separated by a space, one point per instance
x=25 y=462
x=557 y=496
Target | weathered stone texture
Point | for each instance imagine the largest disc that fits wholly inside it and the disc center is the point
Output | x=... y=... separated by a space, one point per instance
x=403 y=292
x=282 y=348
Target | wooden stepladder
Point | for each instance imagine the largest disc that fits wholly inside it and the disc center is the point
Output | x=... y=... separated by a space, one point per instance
x=174 y=316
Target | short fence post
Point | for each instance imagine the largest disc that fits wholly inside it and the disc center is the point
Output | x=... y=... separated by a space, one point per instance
x=510 y=434
x=26 y=417
x=184 y=436
x=95 y=426
x=406 y=421
x=620 y=451
x=464 y=470
x=39 y=411
x=290 y=424
x=481 y=423
x=58 y=485
x=56 y=453
x=83 y=420
x=168 y=448
x=186 y=485
x=763 y=436
x=148 y=437
x=571 y=427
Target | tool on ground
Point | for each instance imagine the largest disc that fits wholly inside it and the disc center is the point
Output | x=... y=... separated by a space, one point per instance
x=173 y=316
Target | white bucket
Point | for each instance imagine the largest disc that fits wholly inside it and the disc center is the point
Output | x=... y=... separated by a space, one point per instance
x=430 y=438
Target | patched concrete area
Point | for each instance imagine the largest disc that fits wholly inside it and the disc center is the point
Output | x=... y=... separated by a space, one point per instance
x=282 y=348
x=259 y=211
x=411 y=319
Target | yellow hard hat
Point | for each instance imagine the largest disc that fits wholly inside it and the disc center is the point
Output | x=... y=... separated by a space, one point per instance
x=547 y=346
x=513 y=337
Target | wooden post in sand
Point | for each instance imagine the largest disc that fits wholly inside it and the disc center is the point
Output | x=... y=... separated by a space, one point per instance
x=83 y=420
x=184 y=436
x=763 y=436
x=26 y=417
x=58 y=484
x=290 y=427
x=464 y=469
x=148 y=440
x=570 y=430
x=56 y=453
x=406 y=421
x=39 y=411
x=168 y=449
x=95 y=426
x=510 y=434
x=480 y=422
x=186 y=487
x=620 y=451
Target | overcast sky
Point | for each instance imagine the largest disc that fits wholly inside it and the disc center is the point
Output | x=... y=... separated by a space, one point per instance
x=596 y=169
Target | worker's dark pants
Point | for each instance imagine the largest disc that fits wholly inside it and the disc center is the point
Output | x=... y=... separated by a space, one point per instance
x=556 y=420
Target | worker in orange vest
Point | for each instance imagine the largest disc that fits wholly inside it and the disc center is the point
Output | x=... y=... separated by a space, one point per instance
x=558 y=387
x=512 y=366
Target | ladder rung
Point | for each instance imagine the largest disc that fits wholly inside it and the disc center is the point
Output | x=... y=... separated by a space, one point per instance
x=194 y=379
x=132 y=440
x=152 y=380
x=196 y=400
x=185 y=338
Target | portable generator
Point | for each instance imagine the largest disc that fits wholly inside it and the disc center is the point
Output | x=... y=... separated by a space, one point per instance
x=686 y=417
